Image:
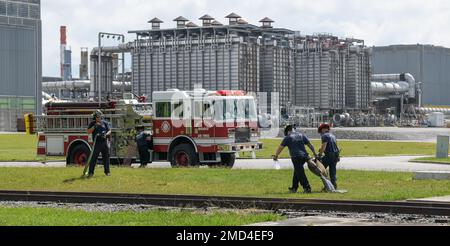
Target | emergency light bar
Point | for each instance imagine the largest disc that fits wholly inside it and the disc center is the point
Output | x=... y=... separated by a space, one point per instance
x=225 y=93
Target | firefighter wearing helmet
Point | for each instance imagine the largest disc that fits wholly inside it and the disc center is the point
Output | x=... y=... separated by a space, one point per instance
x=101 y=131
x=330 y=151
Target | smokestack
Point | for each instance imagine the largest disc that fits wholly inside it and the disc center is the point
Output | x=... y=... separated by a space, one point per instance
x=66 y=56
x=63 y=43
x=63 y=35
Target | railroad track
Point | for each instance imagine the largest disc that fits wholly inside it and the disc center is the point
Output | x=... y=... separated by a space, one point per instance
x=421 y=208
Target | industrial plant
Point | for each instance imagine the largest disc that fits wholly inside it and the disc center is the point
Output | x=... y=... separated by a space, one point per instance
x=313 y=78
x=301 y=79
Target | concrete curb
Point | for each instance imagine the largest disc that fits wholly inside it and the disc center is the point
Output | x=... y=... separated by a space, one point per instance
x=430 y=162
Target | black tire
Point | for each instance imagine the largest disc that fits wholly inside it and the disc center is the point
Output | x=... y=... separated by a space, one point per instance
x=79 y=155
x=228 y=160
x=184 y=155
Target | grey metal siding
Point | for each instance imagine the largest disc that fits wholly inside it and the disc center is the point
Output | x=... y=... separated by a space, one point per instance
x=428 y=64
x=183 y=66
x=20 y=61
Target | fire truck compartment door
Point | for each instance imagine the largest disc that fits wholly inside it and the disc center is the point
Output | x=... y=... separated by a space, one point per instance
x=55 y=145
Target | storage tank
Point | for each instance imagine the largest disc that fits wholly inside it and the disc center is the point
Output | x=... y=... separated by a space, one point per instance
x=436 y=119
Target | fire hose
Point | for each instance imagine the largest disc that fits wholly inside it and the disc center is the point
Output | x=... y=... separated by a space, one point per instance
x=318 y=169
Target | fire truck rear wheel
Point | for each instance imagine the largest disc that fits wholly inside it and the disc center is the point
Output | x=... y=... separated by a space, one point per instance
x=184 y=155
x=228 y=160
x=79 y=155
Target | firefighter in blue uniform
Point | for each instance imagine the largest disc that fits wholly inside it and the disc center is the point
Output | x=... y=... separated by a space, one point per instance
x=331 y=151
x=296 y=142
x=101 y=131
x=144 y=144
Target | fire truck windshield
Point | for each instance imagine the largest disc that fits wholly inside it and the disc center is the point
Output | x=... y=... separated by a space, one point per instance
x=144 y=109
x=235 y=109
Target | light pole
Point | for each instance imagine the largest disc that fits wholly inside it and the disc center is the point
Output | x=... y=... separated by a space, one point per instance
x=119 y=38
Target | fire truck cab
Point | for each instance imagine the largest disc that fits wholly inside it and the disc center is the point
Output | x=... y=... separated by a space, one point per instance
x=202 y=127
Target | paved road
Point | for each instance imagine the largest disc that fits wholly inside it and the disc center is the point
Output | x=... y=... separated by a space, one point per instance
x=376 y=133
x=391 y=164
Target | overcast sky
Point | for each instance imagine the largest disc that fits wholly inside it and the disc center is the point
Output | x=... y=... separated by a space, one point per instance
x=381 y=22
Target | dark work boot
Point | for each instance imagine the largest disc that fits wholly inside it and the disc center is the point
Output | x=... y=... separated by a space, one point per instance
x=292 y=190
x=307 y=191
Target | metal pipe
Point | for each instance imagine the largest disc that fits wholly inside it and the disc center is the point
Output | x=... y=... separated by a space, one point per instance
x=99 y=68
x=123 y=66
x=407 y=77
x=427 y=110
x=81 y=84
x=125 y=47
x=390 y=88
x=412 y=84
x=122 y=48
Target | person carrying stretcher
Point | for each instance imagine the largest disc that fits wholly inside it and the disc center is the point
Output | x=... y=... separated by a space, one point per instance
x=296 y=142
x=330 y=151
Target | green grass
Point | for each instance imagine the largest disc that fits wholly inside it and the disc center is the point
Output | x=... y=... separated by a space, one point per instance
x=433 y=160
x=67 y=217
x=356 y=148
x=23 y=148
x=362 y=185
x=20 y=148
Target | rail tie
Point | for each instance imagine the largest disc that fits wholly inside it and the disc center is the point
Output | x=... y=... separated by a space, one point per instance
x=401 y=207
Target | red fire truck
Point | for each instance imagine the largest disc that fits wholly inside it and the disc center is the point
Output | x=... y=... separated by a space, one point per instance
x=189 y=128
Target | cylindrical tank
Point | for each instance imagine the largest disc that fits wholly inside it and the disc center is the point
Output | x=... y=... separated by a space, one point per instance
x=436 y=119
x=445 y=111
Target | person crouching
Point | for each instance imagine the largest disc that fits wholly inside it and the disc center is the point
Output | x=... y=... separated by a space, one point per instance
x=144 y=144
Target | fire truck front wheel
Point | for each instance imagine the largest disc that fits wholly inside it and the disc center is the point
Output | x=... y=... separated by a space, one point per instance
x=184 y=155
x=79 y=155
x=228 y=160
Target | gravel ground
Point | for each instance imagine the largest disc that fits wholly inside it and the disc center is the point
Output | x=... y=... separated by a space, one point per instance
x=111 y=208
x=389 y=219
x=99 y=207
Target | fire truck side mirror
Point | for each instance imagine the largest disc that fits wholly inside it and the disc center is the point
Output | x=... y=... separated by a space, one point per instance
x=142 y=99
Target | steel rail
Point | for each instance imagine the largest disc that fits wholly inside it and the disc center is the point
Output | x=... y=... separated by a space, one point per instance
x=401 y=207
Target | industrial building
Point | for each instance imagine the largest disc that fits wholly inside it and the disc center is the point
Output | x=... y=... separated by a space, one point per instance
x=332 y=73
x=427 y=63
x=20 y=61
x=319 y=71
x=307 y=78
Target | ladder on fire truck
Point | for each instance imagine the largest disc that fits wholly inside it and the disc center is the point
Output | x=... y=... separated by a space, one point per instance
x=73 y=123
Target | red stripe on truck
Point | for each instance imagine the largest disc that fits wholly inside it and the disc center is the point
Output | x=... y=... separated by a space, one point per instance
x=41 y=151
